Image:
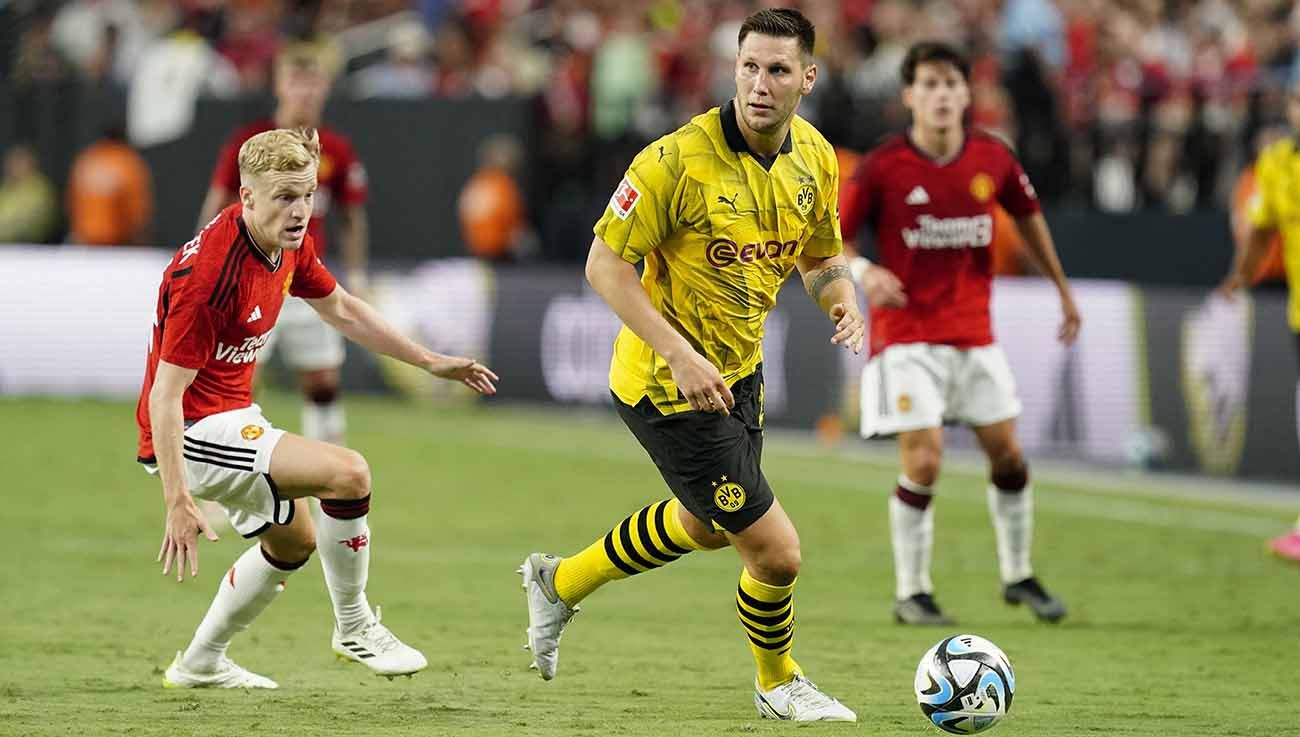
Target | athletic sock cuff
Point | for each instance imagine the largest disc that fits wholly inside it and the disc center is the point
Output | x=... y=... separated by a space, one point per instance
x=764 y=592
x=346 y=508
x=282 y=565
x=669 y=525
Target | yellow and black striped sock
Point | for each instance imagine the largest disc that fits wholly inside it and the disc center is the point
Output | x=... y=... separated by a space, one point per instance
x=649 y=539
x=767 y=613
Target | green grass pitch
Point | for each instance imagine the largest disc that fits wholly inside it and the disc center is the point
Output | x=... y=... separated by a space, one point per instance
x=1180 y=625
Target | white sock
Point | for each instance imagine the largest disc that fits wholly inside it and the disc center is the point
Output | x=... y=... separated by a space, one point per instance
x=344 y=549
x=911 y=531
x=249 y=587
x=1013 y=522
x=325 y=422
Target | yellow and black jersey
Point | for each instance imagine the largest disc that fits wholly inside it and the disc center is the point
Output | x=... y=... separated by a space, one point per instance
x=1276 y=204
x=719 y=228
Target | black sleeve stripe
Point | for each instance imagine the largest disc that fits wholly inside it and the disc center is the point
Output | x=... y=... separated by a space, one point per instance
x=162 y=317
x=225 y=273
x=223 y=302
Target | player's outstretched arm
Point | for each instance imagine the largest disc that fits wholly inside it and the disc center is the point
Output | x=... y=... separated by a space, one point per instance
x=167 y=423
x=363 y=324
x=616 y=281
x=829 y=282
x=1041 y=249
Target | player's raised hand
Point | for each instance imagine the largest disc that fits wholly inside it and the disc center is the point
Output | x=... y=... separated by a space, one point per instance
x=849 y=326
x=883 y=288
x=700 y=382
x=180 y=537
x=1070 y=320
x=467 y=371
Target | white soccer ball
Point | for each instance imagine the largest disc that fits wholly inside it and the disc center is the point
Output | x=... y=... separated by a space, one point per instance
x=964 y=684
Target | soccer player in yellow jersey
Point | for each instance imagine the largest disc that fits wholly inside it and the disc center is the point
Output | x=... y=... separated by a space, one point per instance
x=721 y=211
x=1275 y=208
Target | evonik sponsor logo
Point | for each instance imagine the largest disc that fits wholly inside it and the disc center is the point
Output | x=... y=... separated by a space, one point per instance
x=722 y=252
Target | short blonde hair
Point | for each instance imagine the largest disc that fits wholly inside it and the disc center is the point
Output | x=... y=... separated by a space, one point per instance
x=280 y=150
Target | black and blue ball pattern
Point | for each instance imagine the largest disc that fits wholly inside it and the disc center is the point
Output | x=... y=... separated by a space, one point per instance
x=965 y=684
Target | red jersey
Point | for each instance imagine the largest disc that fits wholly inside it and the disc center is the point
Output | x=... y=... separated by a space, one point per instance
x=340 y=177
x=933 y=225
x=219 y=299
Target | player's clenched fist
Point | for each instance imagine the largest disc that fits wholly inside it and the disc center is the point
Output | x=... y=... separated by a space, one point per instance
x=882 y=287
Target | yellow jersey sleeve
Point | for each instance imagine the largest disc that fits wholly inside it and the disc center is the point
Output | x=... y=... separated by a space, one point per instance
x=645 y=208
x=1261 y=208
x=825 y=240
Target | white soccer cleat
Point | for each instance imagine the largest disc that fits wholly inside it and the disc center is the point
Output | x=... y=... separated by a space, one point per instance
x=226 y=675
x=547 y=613
x=800 y=701
x=377 y=648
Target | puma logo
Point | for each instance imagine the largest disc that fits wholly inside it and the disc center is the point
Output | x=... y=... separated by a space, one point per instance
x=662 y=154
x=731 y=201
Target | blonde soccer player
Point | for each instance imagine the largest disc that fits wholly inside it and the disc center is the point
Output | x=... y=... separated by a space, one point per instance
x=202 y=435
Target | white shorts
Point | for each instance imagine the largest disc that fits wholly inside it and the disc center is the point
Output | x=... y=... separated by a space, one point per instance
x=914 y=386
x=307 y=343
x=228 y=461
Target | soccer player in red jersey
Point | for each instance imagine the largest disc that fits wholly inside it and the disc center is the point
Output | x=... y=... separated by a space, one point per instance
x=928 y=196
x=200 y=431
x=309 y=347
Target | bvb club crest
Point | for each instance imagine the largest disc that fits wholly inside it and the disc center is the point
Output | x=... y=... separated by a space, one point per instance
x=251 y=432
x=729 y=496
x=981 y=187
x=805 y=198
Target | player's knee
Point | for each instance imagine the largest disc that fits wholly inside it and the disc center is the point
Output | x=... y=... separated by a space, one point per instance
x=321 y=394
x=352 y=478
x=1009 y=471
x=923 y=466
x=294 y=549
x=780 y=567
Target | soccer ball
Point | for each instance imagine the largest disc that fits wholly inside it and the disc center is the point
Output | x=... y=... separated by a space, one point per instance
x=964 y=684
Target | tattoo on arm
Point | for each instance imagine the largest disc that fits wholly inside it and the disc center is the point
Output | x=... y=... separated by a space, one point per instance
x=825 y=278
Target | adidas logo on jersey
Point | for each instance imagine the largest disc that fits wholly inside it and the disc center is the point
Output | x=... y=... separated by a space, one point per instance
x=918 y=196
x=256 y=314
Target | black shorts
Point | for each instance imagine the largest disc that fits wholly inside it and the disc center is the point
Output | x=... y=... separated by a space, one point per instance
x=710 y=460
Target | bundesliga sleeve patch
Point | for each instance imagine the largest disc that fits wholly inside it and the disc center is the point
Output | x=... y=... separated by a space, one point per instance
x=624 y=199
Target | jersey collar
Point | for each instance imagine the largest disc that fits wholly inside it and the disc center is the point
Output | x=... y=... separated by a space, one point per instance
x=267 y=263
x=736 y=140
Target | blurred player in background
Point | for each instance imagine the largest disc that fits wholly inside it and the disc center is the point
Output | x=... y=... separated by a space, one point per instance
x=1275 y=210
x=721 y=211
x=310 y=348
x=200 y=431
x=928 y=196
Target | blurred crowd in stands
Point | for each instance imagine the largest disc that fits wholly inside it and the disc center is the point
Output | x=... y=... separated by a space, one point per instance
x=1117 y=105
